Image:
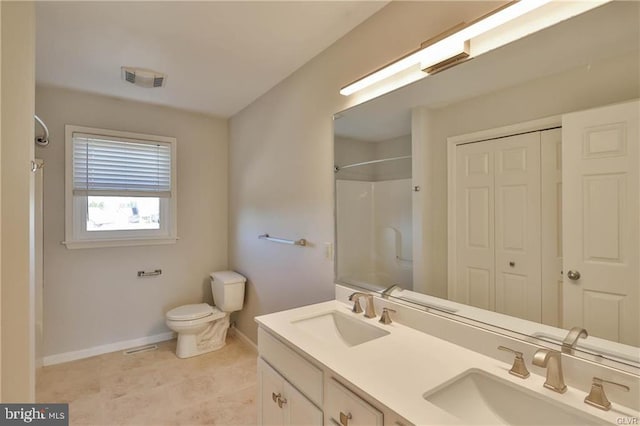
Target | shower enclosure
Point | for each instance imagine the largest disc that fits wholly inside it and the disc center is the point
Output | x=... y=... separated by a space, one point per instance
x=373 y=212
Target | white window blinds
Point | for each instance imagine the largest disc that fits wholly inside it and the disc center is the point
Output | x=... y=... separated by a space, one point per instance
x=120 y=167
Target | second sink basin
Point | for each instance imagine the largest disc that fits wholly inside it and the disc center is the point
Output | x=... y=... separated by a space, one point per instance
x=338 y=328
x=477 y=397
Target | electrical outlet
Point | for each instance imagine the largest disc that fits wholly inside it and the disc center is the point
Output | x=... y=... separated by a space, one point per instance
x=328 y=251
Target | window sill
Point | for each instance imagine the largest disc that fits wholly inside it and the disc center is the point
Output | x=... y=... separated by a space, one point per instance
x=84 y=244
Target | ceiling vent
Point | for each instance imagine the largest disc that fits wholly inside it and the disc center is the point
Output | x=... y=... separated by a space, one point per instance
x=143 y=77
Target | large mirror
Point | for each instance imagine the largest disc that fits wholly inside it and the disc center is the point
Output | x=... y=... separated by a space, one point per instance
x=404 y=202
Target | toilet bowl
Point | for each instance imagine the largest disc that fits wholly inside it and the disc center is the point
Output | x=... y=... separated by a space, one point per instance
x=201 y=327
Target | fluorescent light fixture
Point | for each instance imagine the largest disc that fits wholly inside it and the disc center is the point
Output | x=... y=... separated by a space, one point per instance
x=447 y=50
x=381 y=74
x=442 y=54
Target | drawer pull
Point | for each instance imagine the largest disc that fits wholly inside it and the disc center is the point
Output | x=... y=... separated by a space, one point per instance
x=344 y=418
x=281 y=401
x=277 y=398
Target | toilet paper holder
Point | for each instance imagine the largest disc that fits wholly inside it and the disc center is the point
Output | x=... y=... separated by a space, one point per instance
x=149 y=273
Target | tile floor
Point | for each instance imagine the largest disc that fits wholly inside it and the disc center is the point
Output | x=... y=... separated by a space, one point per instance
x=156 y=388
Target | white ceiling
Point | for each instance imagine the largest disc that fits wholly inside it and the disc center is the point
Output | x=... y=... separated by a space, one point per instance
x=218 y=56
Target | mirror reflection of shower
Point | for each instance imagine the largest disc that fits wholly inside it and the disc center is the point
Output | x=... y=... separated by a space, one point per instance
x=374 y=211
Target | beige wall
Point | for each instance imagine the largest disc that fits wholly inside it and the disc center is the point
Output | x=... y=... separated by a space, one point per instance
x=92 y=296
x=18 y=84
x=281 y=157
x=350 y=151
x=397 y=169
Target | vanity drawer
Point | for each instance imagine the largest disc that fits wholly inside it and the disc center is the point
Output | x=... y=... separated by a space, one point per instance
x=297 y=370
x=348 y=409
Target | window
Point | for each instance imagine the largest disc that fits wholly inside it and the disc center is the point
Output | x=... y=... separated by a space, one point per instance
x=120 y=188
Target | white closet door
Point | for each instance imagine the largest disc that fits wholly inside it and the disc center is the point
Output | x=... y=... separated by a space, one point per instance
x=475 y=257
x=551 y=220
x=517 y=226
x=601 y=226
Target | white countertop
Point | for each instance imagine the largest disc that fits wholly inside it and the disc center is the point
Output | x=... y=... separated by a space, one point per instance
x=397 y=369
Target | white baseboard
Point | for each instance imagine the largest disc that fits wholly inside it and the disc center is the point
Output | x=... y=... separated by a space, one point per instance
x=103 y=349
x=241 y=336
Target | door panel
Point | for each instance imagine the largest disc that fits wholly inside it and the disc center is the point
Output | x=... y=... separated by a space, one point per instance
x=602 y=314
x=603 y=212
x=600 y=215
x=270 y=383
x=517 y=226
x=512 y=294
x=300 y=410
x=479 y=288
x=498 y=225
x=551 y=226
x=474 y=222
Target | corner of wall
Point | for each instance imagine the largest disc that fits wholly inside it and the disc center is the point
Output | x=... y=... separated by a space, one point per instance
x=18 y=105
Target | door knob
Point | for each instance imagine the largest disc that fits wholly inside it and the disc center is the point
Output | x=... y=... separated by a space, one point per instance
x=344 y=418
x=573 y=275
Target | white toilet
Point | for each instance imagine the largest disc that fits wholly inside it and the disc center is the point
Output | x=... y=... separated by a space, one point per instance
x=203 y=328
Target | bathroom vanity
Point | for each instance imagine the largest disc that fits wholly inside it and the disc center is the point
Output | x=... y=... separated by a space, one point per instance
x=324 y=364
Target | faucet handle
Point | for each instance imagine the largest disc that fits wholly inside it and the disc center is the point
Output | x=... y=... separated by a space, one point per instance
x=597 y=397
x=519 y=368
x=385 y=318
x=355 y=298
x=356 y=306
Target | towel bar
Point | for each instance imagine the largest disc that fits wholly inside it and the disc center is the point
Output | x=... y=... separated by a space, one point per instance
x=301 y=242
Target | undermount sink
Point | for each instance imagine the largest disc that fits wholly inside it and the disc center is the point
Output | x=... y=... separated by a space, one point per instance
x=477 y=397
x=339 y=328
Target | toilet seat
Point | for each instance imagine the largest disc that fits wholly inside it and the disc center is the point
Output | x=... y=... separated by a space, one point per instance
x=193 y=312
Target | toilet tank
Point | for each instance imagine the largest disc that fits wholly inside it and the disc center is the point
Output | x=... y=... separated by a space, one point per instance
x=228 y=290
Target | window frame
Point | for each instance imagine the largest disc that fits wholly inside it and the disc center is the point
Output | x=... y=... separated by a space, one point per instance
x=76 y=206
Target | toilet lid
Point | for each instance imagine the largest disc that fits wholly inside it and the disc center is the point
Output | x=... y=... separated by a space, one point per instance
x=190 y=312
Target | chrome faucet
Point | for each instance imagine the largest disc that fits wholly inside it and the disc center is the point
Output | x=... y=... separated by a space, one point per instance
x=369 y=311
x=571 y=340
x=553 y=362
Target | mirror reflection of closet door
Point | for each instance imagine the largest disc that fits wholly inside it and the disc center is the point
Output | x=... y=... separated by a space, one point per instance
x=498 y=225
x=600 y=218
x=517 y=216
x=551 y=226
x=474 y=216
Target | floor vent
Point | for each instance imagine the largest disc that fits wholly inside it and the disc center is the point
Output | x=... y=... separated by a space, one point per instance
x=141 y=349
